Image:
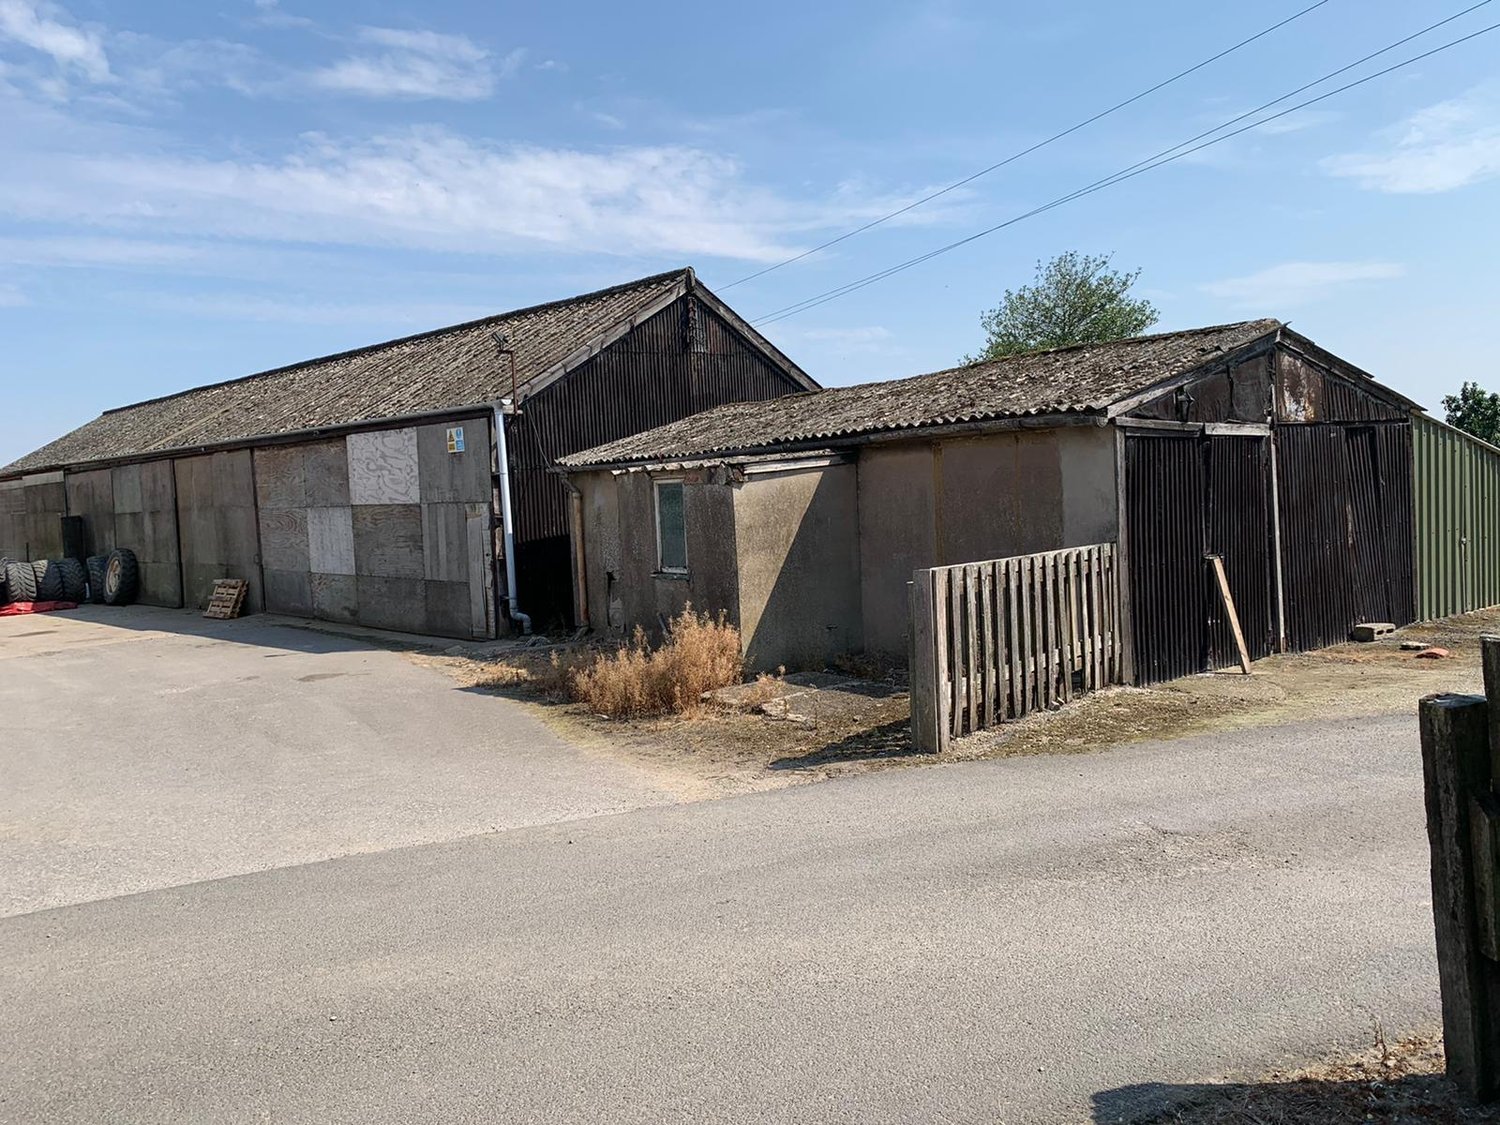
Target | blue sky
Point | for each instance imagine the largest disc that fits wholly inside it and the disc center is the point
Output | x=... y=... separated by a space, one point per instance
x=194 y=192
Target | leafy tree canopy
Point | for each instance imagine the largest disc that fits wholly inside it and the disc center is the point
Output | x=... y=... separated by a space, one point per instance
x=1074 y=299
x=1475 y=411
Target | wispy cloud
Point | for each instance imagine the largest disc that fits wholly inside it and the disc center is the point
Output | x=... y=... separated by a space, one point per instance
x=11 y=297
x=268 y=13
x=249 y=306
x=418 y=64
x=864 y=338
x=1446 y=146
x=437 y=191
x=43 y=27
x=1298 y=283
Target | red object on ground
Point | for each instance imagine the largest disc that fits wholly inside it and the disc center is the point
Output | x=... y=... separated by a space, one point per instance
x=1433 y=653
x=15 y=609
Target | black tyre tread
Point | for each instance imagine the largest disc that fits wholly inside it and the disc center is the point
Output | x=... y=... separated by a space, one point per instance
x=20 y=582
x=94 y=565
x=75 y=580
x=4 y=585
x=49 y=585
x=129 y=583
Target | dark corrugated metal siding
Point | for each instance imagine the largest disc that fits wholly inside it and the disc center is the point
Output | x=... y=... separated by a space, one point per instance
x=680 y=361
x=1457 y=520
x=1346 y=539
x=1189 y=496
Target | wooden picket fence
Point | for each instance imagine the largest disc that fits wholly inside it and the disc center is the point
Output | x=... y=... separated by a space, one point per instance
x=992 y=641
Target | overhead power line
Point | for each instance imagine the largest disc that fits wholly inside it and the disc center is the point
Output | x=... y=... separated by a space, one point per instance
x=1166 y=156
x=1025 y=151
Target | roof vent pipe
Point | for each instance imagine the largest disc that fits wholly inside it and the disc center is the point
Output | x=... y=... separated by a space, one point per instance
x=502 y=458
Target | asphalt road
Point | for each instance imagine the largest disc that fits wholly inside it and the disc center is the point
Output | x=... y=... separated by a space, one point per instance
x=141 y=748
x=1035 y=940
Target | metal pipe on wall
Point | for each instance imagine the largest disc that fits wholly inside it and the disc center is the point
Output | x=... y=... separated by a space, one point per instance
x=502 y=460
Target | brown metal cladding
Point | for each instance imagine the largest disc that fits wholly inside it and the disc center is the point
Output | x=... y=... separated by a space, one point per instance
x=1346 y=514
x=674 y=364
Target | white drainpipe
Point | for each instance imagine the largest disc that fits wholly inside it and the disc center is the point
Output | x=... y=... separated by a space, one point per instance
x=502 y=408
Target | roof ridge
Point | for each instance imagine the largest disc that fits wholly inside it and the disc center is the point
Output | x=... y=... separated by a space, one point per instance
x=609 y=290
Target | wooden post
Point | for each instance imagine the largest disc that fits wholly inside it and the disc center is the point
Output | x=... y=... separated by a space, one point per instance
x=926 y=721
x=1456 y=770
x=1217 y=562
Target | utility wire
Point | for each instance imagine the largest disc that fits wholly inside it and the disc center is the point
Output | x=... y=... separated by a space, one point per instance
x=1167 y=156
x=1025 y=151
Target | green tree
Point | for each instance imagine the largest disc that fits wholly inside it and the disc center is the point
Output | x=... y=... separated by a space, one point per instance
x=1074 y=299
x=1475 y=411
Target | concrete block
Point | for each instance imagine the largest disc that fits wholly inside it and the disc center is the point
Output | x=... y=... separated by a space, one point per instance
x=383 y=467
x=283 y=539
x=388 y=540
x=392 y=603
x=289 y=591
x=1369 y=630
x=447 y=612
x=325 y=472
x=330 y=540
x=335 y=597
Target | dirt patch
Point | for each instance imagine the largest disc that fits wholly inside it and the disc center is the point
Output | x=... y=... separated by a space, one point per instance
x=739 y=748
x=1400 y=1083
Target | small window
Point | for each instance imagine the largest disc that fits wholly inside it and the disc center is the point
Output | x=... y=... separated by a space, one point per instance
x=671 y=527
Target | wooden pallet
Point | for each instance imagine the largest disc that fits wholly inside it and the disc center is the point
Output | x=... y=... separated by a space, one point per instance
x=228 y=598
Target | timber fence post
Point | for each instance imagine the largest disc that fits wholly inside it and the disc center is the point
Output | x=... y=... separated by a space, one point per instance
x=926 y=714
x=1460 y=749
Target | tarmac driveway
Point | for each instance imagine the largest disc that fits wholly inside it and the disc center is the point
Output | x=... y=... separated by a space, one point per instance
x=144 y=748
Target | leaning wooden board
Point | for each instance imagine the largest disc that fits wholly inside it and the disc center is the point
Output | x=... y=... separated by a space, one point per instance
x=228 y=598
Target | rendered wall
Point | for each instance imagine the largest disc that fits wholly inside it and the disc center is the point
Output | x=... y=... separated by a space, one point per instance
x=797 y=535
x=938 y=503
x=625 y=587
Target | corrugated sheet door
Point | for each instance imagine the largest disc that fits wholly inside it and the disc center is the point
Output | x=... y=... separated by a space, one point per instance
x=1165 y=481
x=1189 y=496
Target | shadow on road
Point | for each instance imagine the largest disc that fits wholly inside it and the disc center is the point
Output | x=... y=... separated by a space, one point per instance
x=1427 y=1098
x=889 y=740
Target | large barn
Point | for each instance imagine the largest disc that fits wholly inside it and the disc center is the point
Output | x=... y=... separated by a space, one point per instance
x=365 y=487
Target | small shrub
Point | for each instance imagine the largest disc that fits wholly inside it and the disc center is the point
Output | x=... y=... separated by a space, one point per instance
x=698 y=654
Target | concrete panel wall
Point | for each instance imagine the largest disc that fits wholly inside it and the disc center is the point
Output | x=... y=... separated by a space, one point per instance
x=798 y=563
x=12 y=520
x=91 y=496
x=31 y=511
x=145 y=497
x=218 y=528
x=387 y=529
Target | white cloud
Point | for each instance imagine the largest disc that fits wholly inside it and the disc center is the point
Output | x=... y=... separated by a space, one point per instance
x=1296 y=283
x=418 y=64
x=1446 y=146
x=859 y=339
x=11 y=297
x=268 y=13
x=248 y=306
x=436 y=191
x=40 y=26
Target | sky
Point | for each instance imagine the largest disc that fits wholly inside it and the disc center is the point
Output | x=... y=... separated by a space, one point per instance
x=190 y=193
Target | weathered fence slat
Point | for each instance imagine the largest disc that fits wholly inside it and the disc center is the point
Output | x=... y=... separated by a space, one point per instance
x=993 y=641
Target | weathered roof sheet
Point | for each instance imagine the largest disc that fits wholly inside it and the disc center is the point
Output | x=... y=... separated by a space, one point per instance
x=1086 y=378
x=444 y=369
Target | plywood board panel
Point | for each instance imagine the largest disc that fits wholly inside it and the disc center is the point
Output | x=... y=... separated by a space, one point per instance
x=445 y=542
x=91 y=495
x=330 y=540
x=283 y=539
x=289 y=591
x=325 y=471
x=392 y=603
x=447 y=477
x=335 y=597
x=158 y=490
x=280 y=480
x=388 y=540
x=127 y=488
x=383 y=467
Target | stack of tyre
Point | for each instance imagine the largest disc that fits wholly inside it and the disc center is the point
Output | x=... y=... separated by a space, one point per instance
x=112 y=579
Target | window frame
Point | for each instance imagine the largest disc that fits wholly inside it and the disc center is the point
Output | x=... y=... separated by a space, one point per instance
x=661 y=562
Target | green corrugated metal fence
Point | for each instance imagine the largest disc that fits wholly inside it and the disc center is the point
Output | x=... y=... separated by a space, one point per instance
x=1457 y=520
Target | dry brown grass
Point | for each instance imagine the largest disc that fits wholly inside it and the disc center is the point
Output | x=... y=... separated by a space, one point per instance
x=1392 y=1084
x=698 y=654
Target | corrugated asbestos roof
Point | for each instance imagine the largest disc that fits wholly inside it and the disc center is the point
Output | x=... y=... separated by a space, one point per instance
x=1083 y=379
x=445 y=369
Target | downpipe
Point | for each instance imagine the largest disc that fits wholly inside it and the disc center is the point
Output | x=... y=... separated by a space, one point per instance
x=502 y=457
